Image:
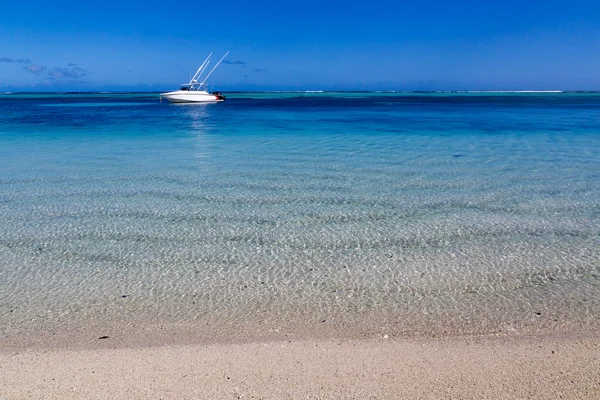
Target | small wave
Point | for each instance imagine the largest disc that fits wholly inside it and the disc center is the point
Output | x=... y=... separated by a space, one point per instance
x=513 y=91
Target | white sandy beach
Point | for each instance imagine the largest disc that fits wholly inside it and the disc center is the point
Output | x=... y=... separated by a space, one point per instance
x=515 y=367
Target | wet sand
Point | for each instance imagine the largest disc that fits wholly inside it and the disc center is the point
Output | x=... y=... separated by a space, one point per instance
x=507 y=367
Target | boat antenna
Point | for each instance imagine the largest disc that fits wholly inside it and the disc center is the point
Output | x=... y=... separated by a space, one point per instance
x=201 y=69
x=215 y=67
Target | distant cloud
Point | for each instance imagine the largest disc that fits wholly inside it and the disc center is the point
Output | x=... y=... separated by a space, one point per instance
x=234 y=62
x=243 y=64
x=35 y=69
x=72 y=74
x=20 y=60
x=67 y=73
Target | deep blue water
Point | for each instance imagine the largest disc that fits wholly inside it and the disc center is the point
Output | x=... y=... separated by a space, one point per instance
x=457 y=212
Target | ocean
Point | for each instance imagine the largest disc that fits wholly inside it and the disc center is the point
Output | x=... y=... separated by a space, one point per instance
x=307 y=214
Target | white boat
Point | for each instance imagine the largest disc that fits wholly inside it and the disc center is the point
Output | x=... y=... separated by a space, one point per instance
x=195 y=91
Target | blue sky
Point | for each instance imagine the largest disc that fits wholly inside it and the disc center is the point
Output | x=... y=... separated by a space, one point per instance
x=304 y=45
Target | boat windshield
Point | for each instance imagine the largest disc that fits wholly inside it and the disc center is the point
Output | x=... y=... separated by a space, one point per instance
x=191 y=87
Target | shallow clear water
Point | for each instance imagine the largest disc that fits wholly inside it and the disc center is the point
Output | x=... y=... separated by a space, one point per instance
x=409 y=213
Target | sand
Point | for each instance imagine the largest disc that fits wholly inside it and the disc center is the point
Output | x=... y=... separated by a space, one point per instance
x=508 y=367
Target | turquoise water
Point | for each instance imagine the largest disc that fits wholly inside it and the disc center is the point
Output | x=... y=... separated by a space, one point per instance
x=335 y=213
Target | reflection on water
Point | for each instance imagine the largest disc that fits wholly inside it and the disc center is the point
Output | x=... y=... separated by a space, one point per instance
x=199 y=126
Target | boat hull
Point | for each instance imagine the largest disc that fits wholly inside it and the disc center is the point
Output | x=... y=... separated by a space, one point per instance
x=192 y=97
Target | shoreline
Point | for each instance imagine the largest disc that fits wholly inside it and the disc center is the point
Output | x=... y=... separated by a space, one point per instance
x=529 y=366
x=352 y=246
x=102 y=333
